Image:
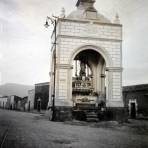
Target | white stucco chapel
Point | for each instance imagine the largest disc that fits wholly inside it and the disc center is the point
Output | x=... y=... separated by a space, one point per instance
x=88 y=68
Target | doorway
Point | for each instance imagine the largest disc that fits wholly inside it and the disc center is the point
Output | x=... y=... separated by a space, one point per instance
x=133 y=110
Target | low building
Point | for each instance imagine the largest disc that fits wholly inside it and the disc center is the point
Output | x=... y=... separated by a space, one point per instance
x=3 y=101
x=136 y=100
x=41 y=96
x=24 y=106
x=30 y=101
x=14 y=102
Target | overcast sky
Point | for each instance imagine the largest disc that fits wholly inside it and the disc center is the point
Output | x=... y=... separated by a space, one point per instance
x=25 y=43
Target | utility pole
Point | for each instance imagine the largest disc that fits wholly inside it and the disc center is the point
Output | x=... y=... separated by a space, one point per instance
x=53 y=21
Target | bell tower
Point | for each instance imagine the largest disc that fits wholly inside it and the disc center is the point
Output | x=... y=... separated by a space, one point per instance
x=88 y=68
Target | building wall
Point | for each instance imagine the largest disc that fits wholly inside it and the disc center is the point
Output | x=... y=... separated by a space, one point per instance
x=3 y=102
x=74 y=34
x=139 y=93
x=105 y=38
x=41 y=92
x=11 y=102
x=31 y=97
x=14 y=102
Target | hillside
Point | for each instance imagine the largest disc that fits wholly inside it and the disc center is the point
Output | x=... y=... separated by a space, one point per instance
x=15 y=89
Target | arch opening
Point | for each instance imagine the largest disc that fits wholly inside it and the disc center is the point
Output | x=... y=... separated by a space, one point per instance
x=88 y=80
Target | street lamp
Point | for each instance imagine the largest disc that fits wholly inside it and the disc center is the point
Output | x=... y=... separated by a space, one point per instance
x=53 y=21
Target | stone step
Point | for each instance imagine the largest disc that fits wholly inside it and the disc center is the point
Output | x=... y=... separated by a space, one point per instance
x=91 y=113
x=92 y=117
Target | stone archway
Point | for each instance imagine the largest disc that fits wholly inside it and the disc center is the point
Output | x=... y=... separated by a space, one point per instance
x=77 y=33
x=102 y=51
x=89 y=77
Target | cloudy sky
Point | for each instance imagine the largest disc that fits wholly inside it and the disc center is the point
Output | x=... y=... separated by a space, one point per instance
x=25 y=43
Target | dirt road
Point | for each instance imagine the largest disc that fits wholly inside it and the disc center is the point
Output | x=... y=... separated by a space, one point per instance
x=27 y=130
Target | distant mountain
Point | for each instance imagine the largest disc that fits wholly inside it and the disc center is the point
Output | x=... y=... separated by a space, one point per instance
x=15 y=89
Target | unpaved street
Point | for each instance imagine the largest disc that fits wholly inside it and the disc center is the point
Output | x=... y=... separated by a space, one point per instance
x=27 y=130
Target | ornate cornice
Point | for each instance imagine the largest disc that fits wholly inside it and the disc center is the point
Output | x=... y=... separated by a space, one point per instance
x=88 y=21
x=64 y=66
x=114 y=69
x=92 y=38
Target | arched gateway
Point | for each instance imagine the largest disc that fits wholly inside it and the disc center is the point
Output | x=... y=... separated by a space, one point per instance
x=88 y=70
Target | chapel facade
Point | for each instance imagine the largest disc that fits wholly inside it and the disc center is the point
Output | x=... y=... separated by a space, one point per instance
x=88 y=68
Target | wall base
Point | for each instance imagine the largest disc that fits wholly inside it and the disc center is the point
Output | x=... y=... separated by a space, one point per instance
x=63 y=113
x=116 y=113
